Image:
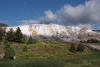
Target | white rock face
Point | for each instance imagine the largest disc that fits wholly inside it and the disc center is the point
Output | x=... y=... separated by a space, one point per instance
x=54 y=31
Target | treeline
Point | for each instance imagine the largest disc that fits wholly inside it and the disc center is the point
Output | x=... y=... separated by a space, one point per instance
x=18 y=37
x=14 y=36
x=91 y=41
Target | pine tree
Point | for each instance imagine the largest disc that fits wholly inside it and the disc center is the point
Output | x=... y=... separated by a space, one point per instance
x=2 y=30
x=18 y=36
x=30 y=40
x=80 y=47
x=9 y=53
x=10 y=35
x=1 y=34
x=73 y=48
x=7 y=45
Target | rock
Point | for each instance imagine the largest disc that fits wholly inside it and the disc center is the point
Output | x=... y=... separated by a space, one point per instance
x=54 y=31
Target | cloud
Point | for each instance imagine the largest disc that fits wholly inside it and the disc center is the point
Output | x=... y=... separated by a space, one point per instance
x=87 y=13
x=3 y=21
x=29 y=21
x=49 y=17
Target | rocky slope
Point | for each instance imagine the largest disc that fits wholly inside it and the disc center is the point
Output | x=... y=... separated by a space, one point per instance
x=54 y=31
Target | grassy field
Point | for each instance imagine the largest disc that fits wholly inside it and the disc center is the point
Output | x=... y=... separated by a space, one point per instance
x=50 y=54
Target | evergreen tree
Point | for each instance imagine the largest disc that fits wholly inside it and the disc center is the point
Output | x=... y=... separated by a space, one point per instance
x=1 y=34
x=9 y=53
x=18 y=36
x=10 y=35
x=30 y=40
x=80 y=47
x=73 y=48
x=7 y=45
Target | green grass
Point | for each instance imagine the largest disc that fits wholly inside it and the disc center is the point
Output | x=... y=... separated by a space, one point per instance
x=54 y=54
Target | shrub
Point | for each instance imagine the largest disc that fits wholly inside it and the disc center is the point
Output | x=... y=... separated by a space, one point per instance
x=30 y=40
x=80 y=47
x=73 y=48
x=25 y=49
x=7 y=45
x=9 y=53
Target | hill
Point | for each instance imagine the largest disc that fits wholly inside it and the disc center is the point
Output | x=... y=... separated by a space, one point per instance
x=59 y=32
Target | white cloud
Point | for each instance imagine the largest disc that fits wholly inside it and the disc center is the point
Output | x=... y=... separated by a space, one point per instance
x=3 y=21
x=88 y=13
x=28 y=21
x=49 y=17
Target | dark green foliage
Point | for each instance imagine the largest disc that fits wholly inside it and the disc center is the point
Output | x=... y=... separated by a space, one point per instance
x=80 y=47
x=34 y=41
x=25 y=49
x=7 y=45
x=73 y=48
x=88 y=41
x=2 y=30
x=82 y=41
x=1 y=34
x=9 y=53
x=30 y=40
x=10 y=35
x=45 y=63
x=18 y=36
x=93 y=41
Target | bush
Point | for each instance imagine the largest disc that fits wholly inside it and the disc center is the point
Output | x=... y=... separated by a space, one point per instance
x=30 y=40
x=80 y=47
x=25 y=49
x=7 y=45
x=34 y=41
x=73 y=48
x=9 y=53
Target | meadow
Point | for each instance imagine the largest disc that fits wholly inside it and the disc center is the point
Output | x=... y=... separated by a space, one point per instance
x=50 y=54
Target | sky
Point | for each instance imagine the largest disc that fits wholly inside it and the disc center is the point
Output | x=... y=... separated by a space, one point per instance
x=84 y=13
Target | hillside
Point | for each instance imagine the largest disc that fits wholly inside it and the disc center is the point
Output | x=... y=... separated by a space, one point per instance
x=54 y=31
x=50 y=54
